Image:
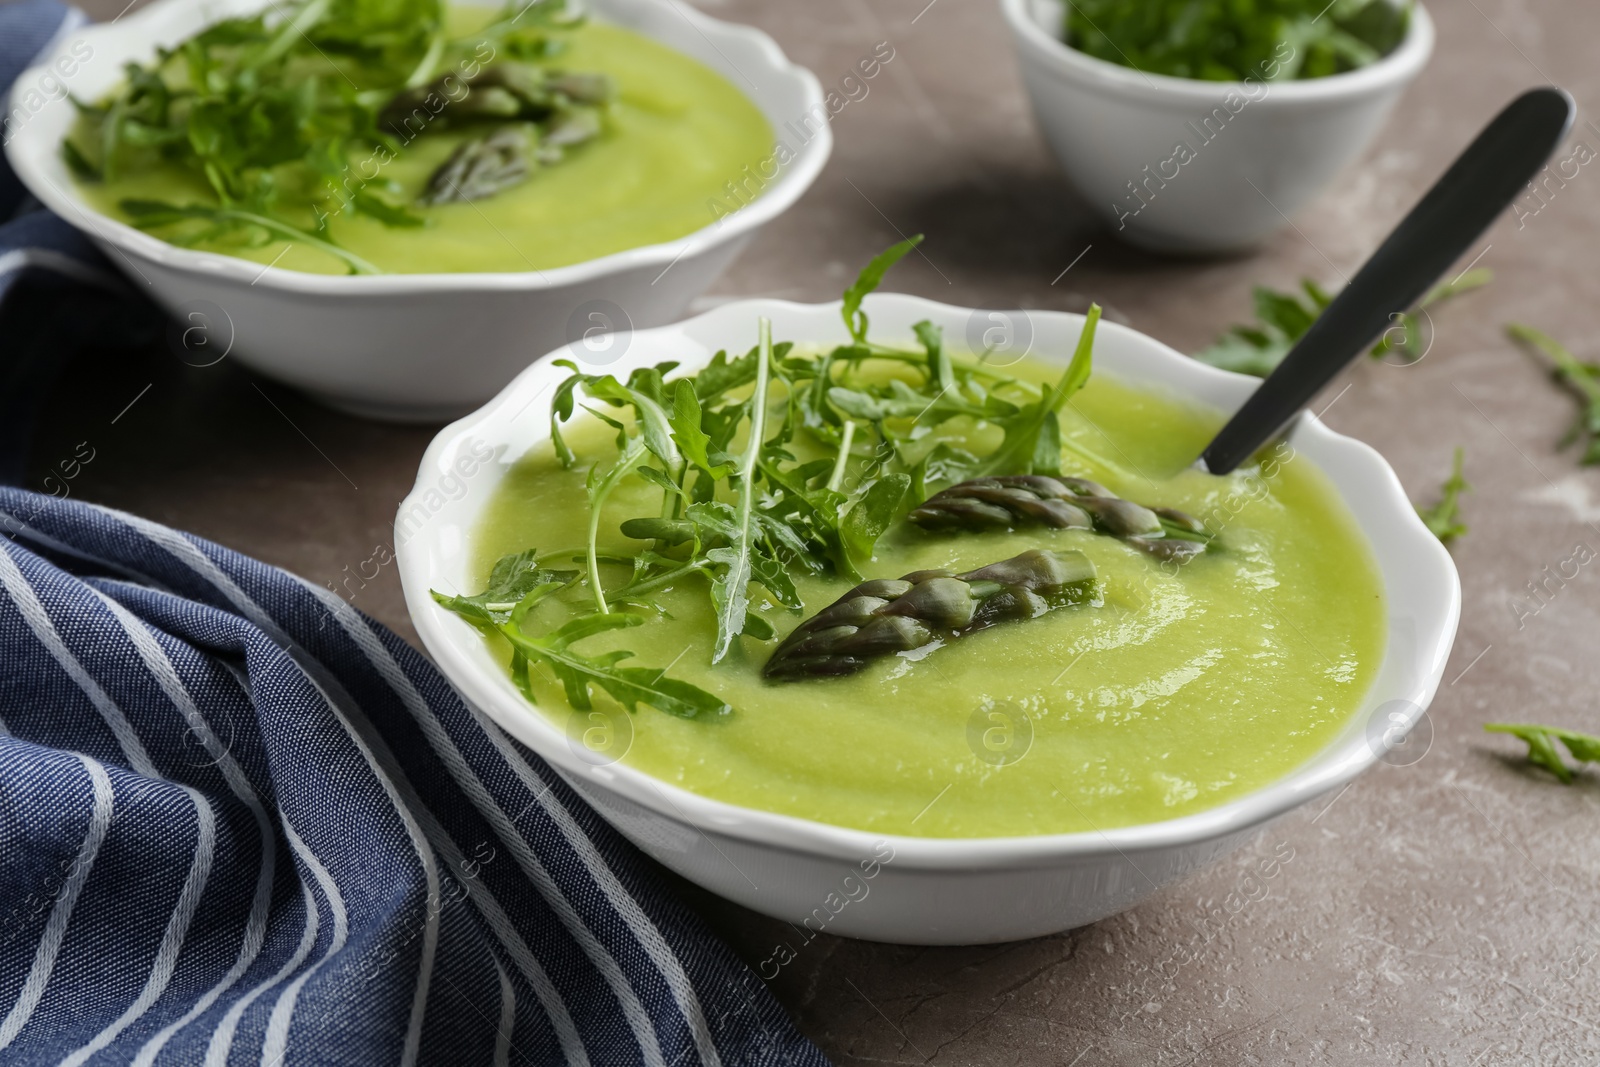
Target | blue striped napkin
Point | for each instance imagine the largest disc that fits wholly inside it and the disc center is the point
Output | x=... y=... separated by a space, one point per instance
x=242 y=823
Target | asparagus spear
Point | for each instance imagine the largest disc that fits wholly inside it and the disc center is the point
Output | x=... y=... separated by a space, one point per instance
x=887 y=616
x=1062 y=503
x=480 y=167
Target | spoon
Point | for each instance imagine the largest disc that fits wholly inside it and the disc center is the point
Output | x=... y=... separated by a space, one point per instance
x=1480 y=184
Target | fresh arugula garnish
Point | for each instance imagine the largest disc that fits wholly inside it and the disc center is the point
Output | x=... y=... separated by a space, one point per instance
x=1582 y=378
x=735 y=560
x=1542 y=751
x=153 y=214
x=1032 y=444
x=288 y=116
x=1444 y=518
x=870 y=278
x=1224 y=40
x=777 y=462
x=512 y=579
x=518 y=585
x=1284 y=318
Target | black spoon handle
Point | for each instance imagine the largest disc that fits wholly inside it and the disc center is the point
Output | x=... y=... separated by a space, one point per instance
x=1479 y=185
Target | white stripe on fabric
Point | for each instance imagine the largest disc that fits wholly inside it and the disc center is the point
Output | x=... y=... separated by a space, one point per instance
x=19 y=528
x=222 y=1039
x=561 y=1020
x=277 y=1040
x=430 y=869
x=255 y=931
x=55 y=930
x=38 y=621
x=166 y=958
x=461 y=772
x=649 y=935
x=508 y=1018
x=186 y=552
x=485 y=904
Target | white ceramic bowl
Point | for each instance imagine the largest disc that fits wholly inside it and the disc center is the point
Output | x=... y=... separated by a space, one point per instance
x=932 y=891
x=1256 y=151
x=413 y=346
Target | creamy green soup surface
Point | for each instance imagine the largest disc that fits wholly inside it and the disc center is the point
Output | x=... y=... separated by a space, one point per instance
x=675 y=135
x=1180 y=688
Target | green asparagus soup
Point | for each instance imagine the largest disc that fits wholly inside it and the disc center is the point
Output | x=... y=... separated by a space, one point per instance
x=1181 y=680
x=517 y=149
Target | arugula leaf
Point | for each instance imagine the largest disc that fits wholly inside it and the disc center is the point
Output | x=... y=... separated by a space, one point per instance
x=871 y=516
x=1284 y=318
x=1020 y=450
x=577 y=672
x=78 y=163
x=1223 y=40
x=1583 y=379
x=1542 y=751
x=388 y=214
x=1413 y=336
x=729 y=591
x=692 y=441
x=1444 y=518
x=514 y=579
x=155 y=214
x=654 y=424
x=871 y=276
x=599 y=486
x=940 y=368
x=720 y=376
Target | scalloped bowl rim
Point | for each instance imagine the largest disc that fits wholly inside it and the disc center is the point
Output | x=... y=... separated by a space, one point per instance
x=459 y=649
x=32 y=146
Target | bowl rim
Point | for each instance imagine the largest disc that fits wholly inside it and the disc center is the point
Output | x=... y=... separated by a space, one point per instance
x=32 y=146
x=447 y=639
x=1397 y=67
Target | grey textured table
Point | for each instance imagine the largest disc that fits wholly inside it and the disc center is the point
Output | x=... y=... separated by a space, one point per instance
x=1439 y=913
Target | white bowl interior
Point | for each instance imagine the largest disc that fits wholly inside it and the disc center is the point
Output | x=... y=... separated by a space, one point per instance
x=435 y=526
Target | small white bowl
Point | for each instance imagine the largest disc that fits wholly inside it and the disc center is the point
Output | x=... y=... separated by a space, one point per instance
x=413 y=347
x=1256 y=151
x=920 y=890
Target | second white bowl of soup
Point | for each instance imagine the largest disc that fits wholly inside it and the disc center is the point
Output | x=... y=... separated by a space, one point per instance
x=677 y=137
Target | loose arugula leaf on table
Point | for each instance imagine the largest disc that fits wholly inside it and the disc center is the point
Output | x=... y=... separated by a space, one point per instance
x=1284 y=318
x=1223 y=40
x=521 y=576
x=1444 y=518
x=1413 y=332
x=1583 y=379
x=1542 y=751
